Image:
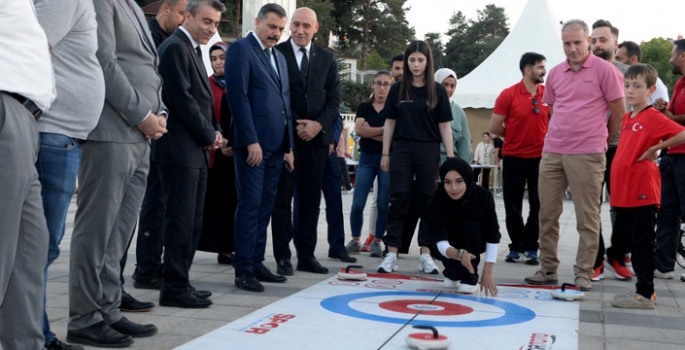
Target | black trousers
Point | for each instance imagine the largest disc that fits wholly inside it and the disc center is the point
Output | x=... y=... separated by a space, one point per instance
x=637 y=226
x=455 y=271
x=411 y=219
x=310 y=163
x=183 y=194
x=149 y=241
x=485 y=180
x=408 y=160
x=516 y=172
x=281 y=216
x=342 y=164
x=669 y=218
x=618 y=248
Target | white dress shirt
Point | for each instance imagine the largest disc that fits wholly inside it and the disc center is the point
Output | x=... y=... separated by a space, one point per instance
x=299 y=54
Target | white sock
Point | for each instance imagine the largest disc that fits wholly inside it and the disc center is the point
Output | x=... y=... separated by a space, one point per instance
x=391 y=255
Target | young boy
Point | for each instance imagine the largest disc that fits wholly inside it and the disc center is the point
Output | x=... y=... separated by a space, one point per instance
x=636 y=181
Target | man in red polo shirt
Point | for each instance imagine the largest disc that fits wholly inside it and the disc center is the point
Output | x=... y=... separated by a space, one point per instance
x=672 y=168
x=525 y=120
x=580 y=91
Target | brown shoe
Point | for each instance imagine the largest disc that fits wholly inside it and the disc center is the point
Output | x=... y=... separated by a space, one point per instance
x=583 y=283
x=543 y=277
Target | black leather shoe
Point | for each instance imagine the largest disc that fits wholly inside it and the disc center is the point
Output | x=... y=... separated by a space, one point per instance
x=224 y=260
x=310 y=265
x=342 y=256
x=265 y=275
x=100 y=335
x=184 y=299
x=152 y=280
x=56 y=344
x=124 y=326
x=202 y=294
x=131 y=304
x=247 y=281
x=284 y=267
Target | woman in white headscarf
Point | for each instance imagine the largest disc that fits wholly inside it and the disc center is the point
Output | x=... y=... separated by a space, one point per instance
x=460 y=129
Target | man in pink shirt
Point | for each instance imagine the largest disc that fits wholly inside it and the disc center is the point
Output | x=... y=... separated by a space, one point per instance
x=580 y=93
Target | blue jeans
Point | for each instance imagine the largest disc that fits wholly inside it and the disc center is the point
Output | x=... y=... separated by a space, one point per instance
x=369 y=167
x=58 y=161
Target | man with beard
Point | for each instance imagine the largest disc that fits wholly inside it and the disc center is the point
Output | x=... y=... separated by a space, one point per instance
x=630 y=53
x=520 y=107
x=580 y=92
x=397 y=67
x=672 y=167
x=603 y=44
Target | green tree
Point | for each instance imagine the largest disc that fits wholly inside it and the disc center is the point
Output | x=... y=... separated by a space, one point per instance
x=374 y=61
x=472 y=41
x=372 y=25
x=657 y=52
x=434 y=40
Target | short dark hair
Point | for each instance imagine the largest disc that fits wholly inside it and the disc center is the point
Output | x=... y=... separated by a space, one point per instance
x=399 y=57
x=648 y=72
x=632 y=49
x=680 y=45
x=486 y=133
x=276 y=9
x=194 y=5
x=604 y=23
x=530 y=59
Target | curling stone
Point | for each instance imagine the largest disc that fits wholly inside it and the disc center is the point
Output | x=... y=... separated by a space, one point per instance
x=346 y=273
x=427 y=341
x=567 y=294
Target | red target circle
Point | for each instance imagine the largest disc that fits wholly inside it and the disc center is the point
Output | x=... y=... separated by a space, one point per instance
x=436 y=308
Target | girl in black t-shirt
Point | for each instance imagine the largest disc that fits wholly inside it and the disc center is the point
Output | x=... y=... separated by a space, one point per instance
x=417 y=115
x=369 y=126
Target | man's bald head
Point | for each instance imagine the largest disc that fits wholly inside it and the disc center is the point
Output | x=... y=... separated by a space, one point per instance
x=303 y=26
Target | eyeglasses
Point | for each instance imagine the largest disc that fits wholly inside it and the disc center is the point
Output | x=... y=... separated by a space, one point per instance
x=535 y=109
x=379 y=84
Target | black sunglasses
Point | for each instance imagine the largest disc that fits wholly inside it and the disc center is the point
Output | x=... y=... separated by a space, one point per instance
x=535 y=109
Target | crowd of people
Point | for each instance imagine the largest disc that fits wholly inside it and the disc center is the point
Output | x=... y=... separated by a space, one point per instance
x=193 y=161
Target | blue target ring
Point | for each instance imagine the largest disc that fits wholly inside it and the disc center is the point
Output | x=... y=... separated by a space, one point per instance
x=513 y=314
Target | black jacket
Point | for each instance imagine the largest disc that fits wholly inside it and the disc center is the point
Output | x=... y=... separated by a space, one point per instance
x=158 y=34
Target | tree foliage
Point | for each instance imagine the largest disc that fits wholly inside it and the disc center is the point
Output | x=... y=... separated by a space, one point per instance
x=472 y=41
x=374 y=61
x=657 y=52
x=352 y=94
x=434 y=40
x=372 y=25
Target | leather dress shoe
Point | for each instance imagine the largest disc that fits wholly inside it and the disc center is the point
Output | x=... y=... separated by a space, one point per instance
x=224 y=260
x=151 y=280
x=265 y=275
x=184 y=299
x=100 y=335
x=284 y=267
x=247 y=281
x=342 y=256
x=310 y=265
x=124 y=326
x=202 y=294
x=131 y=304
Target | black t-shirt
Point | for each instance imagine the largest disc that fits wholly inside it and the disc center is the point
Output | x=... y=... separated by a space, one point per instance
x=413 y=121
x=374 y=119
x=498 y=143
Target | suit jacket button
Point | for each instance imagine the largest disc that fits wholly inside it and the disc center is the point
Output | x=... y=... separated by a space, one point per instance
x=306 y=96
x=282 y=112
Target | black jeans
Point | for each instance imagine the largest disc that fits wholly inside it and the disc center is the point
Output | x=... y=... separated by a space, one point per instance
x=516 y=172
x=342 y=164
x=409 y=159
x=411 y=219
x=669 y=217
x=455 y=271
x=618 y=248
x=637 y=226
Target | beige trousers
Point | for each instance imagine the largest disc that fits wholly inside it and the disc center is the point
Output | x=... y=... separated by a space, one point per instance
x=584 y=175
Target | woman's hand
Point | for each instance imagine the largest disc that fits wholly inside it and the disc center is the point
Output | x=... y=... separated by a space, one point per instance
x=385 y=163
x=487 y=284
x=465 y=259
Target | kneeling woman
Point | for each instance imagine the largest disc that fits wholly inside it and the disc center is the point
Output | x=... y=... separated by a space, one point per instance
x=462 y=223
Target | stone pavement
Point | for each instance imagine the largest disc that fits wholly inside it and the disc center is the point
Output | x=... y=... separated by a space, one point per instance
x=601 y=325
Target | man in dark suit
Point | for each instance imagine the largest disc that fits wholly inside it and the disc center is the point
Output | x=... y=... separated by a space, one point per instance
x=182 y=158
x=259 y=98
x=315 y=98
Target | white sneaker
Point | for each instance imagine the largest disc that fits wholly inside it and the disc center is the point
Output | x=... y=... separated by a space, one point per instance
x=427 y=265
x=389 y=264
x=663 y=275
x=455 y=284
x=468 y=289
x=682 y=277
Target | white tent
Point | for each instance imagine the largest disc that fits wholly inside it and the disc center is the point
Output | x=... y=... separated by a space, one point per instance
x=537 y=30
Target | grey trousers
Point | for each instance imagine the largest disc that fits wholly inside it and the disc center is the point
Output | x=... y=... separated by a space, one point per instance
x=23 y=231
x=112 y=181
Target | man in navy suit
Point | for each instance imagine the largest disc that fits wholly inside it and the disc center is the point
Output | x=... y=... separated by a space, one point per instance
x=259 y=98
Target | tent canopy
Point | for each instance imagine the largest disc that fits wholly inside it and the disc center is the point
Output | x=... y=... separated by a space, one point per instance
x=537 y=30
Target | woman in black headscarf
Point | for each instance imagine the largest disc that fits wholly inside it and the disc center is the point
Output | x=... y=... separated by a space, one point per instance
x=461 y=222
